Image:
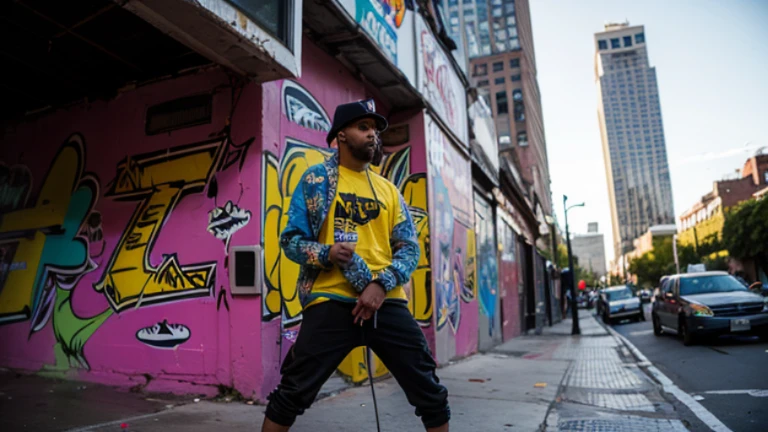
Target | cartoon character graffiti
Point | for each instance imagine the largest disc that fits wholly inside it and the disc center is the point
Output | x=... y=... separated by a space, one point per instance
x=224 y=222
x=449 y=280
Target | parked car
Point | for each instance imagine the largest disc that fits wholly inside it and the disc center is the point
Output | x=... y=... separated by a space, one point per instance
x=708 y=304
x=644 y=295
x=619 y=302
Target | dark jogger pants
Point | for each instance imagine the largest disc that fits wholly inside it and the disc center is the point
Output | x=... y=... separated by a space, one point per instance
x=328 y=334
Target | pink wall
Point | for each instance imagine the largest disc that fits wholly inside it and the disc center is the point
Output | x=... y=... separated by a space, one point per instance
x=176 y=267
x=133 y=288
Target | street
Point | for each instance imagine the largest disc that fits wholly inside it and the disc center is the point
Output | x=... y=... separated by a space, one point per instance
x=727 y=375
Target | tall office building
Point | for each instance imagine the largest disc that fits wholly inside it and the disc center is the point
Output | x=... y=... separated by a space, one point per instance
x=634 y=149
x=498 y=40
x=589 y=248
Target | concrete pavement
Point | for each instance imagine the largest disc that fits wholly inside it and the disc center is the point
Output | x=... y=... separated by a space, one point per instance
x=547 y=382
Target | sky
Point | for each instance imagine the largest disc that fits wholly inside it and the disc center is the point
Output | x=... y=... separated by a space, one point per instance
x=711 y=60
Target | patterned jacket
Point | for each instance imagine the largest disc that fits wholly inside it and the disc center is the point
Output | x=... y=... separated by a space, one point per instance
x=310 y=204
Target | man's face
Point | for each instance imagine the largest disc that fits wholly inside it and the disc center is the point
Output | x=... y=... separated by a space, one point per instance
x=360 y=138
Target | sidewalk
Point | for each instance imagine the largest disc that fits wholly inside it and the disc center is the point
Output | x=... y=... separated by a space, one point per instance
x=549 y=382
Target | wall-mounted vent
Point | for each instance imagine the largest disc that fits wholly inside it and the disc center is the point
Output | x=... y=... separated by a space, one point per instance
x=179 y=113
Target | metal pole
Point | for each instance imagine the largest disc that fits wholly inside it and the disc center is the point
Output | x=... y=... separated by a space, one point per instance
x=674 y=251
x=575 y=330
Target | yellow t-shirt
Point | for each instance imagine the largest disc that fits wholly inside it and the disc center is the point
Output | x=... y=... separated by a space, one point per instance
x=355 y=209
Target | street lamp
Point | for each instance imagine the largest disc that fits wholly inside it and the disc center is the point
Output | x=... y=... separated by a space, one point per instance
x=575 y=330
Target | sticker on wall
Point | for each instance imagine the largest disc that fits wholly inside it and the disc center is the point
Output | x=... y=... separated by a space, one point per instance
x=225 y=221
x=164 y=335
x=300 y=107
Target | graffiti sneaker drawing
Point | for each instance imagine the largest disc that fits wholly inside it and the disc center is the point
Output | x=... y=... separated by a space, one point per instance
x=223 y=222
x=163 y=335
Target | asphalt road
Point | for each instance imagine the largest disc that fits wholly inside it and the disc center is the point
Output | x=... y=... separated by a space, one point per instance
x=729 y=373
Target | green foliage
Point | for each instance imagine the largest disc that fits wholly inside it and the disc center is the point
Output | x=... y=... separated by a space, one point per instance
x=660 y=261
x=745 y=233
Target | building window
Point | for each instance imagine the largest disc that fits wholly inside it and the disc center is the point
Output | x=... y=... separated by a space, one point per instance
x=502 y=107
x=499 y=80
x=482 y=83
x=514 y=63
x=522 y=139
x=602 y=45
x=498 y=66
x=517 y=95
x=481 y=69
x=627 y=41
x=274 y=16
x=640 y=38
x=615 y=43
x=515 y=78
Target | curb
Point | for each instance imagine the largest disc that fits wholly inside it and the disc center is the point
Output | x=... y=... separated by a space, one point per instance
x=668 y=386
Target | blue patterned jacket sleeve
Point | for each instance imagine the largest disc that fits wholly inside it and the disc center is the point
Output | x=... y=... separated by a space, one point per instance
x=405 y=252
x=297 y=240
x=357 y=273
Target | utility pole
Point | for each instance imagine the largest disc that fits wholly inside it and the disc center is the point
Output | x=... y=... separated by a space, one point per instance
x=575 y=330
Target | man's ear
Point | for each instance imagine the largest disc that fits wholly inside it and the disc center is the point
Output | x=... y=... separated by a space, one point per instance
x=341 y=137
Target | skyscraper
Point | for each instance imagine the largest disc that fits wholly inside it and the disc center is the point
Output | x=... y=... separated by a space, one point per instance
x=634 y=149
x=499 y=44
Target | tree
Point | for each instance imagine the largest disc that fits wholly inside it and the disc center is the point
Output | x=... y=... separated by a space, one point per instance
x=745 y=232
x=660 y=261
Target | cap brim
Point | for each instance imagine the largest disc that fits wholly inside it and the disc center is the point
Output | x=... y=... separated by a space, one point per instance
x=381 y=125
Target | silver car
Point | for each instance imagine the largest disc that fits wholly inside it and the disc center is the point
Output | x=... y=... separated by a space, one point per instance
x=620 y=302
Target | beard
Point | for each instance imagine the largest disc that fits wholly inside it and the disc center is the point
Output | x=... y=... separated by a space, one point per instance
x=363 y=153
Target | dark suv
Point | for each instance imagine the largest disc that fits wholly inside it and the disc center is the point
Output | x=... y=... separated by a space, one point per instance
x=708 y=303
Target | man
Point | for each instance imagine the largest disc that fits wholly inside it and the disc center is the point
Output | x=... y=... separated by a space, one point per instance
x=352 y=234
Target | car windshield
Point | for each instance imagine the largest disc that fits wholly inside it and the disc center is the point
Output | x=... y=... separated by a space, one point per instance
x=619 y=294
x=710 y=284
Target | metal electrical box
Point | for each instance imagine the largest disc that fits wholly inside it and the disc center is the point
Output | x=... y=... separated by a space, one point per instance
x=245 y=270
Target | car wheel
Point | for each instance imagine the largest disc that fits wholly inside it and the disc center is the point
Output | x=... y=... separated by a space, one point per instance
x=656 y=325
x=685 y=333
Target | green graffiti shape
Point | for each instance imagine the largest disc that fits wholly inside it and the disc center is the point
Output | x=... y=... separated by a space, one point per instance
x=72 y=331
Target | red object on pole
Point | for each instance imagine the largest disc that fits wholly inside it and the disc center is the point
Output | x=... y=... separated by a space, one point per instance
x=582 y=285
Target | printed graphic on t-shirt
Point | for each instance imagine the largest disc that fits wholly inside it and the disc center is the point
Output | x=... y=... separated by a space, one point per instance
x=351 y=212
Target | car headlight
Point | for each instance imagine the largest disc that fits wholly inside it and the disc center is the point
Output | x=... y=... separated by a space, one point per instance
x=701 y=310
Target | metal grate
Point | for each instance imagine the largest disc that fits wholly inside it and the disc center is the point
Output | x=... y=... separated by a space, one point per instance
x=740 y=309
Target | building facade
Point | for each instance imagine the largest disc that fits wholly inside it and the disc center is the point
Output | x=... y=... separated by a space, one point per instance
x=144 y=189
x=703 y=222
x=590 y=250
x=634 y=148
x=496 y=39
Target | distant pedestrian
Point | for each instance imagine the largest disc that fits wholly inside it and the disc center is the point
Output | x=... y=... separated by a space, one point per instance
x=352 y=234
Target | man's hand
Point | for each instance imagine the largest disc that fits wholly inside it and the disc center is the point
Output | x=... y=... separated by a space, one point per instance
x=369 y=302
x=341 y=254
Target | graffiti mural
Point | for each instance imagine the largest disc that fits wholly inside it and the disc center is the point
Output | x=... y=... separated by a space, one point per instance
x=381 y=19
x=487 y=266
x=163 y=335
x=41 y=244
x=300 y=107
x=53 y=239
x=224 y=222
x=158 y=181
x=440 y=83
x=453 y=252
